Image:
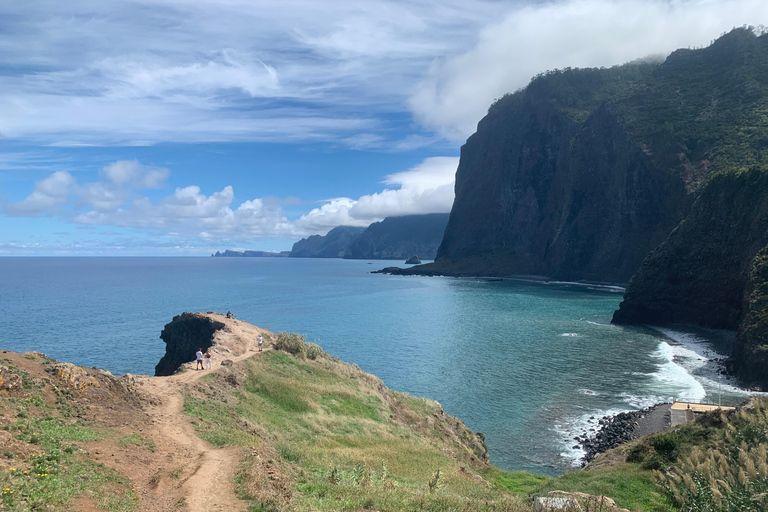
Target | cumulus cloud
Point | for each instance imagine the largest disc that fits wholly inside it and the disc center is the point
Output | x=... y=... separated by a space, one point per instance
x=49 y=195
x=457 y=91
x=135 y=175
x=189 y=213
x=426 y=188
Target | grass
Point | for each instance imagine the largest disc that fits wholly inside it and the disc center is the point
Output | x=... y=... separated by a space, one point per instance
x=325 y=436
x=56 y=473
x=629 y=485
x=137 y=440
x=520 y=482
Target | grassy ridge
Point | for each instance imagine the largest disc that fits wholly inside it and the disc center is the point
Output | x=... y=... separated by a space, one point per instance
x=323 y=435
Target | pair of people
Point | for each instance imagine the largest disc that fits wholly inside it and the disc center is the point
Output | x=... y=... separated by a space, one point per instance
x=230 y=315
x=200 y=358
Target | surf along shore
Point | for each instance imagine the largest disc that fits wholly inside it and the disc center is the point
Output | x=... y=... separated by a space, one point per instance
x=290 y=428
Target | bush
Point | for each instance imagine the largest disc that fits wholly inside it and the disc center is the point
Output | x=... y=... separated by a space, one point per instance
x=290 y=342
x=313 y=351
x=667 y=445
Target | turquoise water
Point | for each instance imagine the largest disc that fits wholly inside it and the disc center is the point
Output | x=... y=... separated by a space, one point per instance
x=526 y=364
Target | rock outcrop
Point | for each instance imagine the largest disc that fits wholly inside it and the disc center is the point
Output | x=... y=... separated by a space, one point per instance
x=223 y=337
x=183 y=336
x=335 y=244
x=413 y=260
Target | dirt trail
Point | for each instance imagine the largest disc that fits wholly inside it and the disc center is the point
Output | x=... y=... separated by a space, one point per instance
x=205 y=472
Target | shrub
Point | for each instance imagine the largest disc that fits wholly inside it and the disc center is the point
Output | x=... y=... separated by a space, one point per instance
x=312 y=351
x=667 y=445
x=290 y=342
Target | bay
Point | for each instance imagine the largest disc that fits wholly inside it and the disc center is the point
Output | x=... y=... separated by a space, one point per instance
x=528 y=364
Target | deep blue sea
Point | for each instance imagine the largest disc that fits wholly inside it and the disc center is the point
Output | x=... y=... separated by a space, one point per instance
x=527 y=364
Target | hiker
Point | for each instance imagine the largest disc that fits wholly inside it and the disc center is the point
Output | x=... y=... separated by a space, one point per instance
x=230 y=315
x=199 y=356
x=261 y=340
x=208 y=362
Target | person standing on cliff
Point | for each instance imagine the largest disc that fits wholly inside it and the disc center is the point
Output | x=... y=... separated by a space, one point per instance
x=208 y=361
x=260 y=341
x=199 y=356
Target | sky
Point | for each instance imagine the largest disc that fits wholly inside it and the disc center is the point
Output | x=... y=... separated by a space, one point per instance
x=178 y=128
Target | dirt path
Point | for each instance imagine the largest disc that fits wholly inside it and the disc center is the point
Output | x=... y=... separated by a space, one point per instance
x=205 y=473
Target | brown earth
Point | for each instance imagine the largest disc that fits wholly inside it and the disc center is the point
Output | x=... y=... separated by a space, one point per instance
x=183 y=472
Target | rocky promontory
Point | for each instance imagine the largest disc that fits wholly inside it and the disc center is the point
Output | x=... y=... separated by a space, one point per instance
x=212 y=332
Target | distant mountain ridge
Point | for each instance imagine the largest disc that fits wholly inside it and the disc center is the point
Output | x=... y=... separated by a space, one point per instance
x=333 y=245
x=400 y=238
x=392 y=238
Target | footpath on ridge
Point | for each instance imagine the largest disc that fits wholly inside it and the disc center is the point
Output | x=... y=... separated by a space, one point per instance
x=206 y=483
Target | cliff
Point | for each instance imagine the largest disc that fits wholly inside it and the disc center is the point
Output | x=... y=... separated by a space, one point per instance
x=392 y=238
x=585 y=171
x=332 y=245
x=711 y=271
x=400 y=238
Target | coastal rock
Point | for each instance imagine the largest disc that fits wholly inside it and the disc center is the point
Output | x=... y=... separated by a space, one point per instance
x=10 y=382
x=183 y=336
x=413 y=260
x=620 y=428
x=590 y=501
x=224 y=338
x=74 y=377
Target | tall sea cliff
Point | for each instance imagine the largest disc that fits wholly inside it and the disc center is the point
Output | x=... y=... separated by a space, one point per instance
x=592 y=174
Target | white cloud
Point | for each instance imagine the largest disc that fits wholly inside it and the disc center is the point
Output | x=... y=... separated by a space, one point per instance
x=49 y=196
x=189 y=214
x=457 y=91
x=138 y=71
x=426 y=188
x=135 y=175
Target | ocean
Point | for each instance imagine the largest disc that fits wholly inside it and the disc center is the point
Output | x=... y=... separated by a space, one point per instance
x=531 y=365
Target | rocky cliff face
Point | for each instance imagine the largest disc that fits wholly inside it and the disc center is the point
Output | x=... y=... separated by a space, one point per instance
x=584 y=172
x=400 y=238
x=713 y=271
x=332 y=245
x=183 y=336
x=541 y=194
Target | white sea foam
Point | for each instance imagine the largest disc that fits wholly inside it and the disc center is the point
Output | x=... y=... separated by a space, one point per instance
x=675 y=365
x=569 y=334
x=571 y=428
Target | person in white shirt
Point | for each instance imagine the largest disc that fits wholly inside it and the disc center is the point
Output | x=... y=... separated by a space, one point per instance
x=260 y=340
x=199 y=356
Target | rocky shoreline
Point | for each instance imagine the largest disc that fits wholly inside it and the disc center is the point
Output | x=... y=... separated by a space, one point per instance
x=618 y=429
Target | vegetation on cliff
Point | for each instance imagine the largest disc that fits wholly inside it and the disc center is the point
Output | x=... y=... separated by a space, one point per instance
x=305 y=431
x=585 y=171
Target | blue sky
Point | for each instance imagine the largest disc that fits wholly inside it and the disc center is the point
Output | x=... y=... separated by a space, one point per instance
x=170 y=127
